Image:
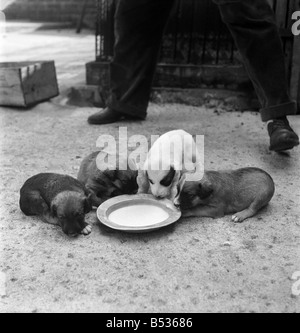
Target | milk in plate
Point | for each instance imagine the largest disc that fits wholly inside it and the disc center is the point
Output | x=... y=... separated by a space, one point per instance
x=138 y=215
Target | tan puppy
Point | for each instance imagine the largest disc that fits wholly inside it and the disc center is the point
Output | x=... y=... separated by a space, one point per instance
x=171 y=157
x=58 y=199
x=108 y=183
x=241 y=192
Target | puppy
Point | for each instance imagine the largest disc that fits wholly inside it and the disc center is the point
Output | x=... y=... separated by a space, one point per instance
x=241 y=192
x=109 y=183
x=171 y=157
x=58 y=199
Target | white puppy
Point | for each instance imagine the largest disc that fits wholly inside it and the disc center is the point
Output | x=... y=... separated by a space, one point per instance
x=171 y=157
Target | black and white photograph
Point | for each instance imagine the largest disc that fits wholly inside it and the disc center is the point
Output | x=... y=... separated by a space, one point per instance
x=149 y=159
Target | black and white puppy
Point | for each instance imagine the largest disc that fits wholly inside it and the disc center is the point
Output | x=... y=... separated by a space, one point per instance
x=242 y=192
x=58 y=199
x=171 y=158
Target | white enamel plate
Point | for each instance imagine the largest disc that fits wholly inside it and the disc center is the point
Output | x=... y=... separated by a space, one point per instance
x=137 y=213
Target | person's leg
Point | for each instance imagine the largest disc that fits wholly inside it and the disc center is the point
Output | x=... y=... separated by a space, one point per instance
x=139 y=26
x=253 y=27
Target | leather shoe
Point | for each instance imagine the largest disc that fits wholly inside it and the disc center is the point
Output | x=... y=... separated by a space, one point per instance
x=282 y=136
x=106 y=116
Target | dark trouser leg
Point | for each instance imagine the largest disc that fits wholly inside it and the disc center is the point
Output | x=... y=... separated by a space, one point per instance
x=139 y=26
x=253 y=27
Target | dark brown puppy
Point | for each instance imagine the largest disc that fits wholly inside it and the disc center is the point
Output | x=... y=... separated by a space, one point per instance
x=110 y=182
x=59 y=199
x=240 y=192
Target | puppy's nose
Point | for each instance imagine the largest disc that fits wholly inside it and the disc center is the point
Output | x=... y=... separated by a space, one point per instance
x=159 y=197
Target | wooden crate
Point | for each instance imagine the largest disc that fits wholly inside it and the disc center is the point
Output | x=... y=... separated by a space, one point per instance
x=24 y=84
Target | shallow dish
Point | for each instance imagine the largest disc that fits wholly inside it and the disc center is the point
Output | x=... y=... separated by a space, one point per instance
x=137 y=213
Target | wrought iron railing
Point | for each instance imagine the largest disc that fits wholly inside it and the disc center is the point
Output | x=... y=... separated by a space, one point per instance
x=195 y=33
x=196 y=39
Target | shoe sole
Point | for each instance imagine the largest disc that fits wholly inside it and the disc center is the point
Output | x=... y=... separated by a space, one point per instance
x=103 y=122
x=286 y=145
x=128 y=118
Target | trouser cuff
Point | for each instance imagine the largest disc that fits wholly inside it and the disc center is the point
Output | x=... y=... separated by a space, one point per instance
x=131 y=110
x=277 y=111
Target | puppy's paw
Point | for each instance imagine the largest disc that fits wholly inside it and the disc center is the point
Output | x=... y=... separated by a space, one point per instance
x=235 y=218
x=239 y=217
x=176 y=203
x=87 y=230
x=243 y=215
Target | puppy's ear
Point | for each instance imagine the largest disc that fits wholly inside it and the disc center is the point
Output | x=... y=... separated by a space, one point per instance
x=172 y=176
x=205 y=189
x=87 y=204
x=53 y=210
x=142 y=181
